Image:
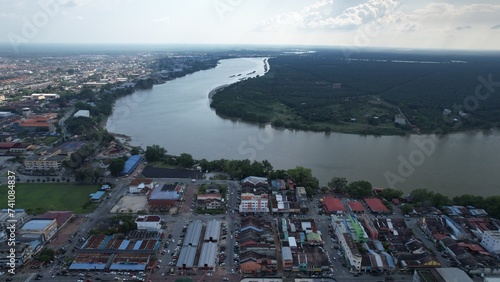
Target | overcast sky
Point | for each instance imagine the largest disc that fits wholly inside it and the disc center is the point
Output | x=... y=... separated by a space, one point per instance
x=447 y=24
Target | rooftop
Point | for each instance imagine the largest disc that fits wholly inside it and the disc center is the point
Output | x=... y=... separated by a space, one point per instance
x=37 y=224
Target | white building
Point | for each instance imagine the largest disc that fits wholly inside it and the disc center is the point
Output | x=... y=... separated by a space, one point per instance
x=148 y=222
x=82 y=113
x=491 y=241
x=254 y=203
x=137 y=185
x=346 y=242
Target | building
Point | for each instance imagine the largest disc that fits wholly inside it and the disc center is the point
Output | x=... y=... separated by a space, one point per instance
x=254 y=203
x=212 y=231
x=139 y=184
x=333 y=205
x=207 y=256
x=43 y=96
x=148 y=222
x=165 y=196
x=49 y=162
x=376 y=206
x=209 y=201
x=97 y=196
x=448 y=274
x=82 y=113
x=131 y=164
x=35 y=124
x=491 y=241
x=47 y=227
x=11 y=148
x=287 y=259
x=52 y=158
x=22 y=255
x=20 y=216
x=61 y=217
x=255 y=181
x=400 y=119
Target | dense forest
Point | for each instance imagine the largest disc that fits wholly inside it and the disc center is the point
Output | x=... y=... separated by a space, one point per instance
x=325 y=91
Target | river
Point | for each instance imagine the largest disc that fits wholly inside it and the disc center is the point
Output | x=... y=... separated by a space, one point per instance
x=177 y=116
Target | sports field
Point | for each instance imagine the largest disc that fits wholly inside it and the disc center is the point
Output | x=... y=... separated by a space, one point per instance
x=41 y=197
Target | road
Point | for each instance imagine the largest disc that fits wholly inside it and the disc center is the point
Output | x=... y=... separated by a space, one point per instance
x=63 y=119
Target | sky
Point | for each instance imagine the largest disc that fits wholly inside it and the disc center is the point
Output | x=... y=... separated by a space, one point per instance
x=445 y=24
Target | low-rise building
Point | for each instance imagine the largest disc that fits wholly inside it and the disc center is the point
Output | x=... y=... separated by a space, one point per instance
x=47 y=227
x=251 y=203
x=139 y=184
x=148 y=222
x=491 y=241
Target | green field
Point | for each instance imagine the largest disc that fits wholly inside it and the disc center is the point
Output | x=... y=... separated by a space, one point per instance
x=39 y=198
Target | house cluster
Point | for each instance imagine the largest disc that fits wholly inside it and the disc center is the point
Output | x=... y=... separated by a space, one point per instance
x=31 y=234
x=301 y=246
x=379 y=245
x=470 y=240
x=256 y=246
x=286 y=198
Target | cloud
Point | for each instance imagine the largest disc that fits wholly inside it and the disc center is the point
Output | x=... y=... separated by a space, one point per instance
x=78 y=18
x=161 y=20
x=319 y=16
x=463 y=27
x=496 y=26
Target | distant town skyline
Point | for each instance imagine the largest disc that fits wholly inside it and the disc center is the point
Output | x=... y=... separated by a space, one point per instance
x=447 y=24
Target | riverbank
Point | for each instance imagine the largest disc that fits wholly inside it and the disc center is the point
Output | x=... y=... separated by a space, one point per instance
x=215 y=90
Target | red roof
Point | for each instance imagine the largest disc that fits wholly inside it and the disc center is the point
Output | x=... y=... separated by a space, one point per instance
x=356 y=206
x=332 y=204
x=376 y=205
x=60 y=216
x=138 y=181
x=148 y=218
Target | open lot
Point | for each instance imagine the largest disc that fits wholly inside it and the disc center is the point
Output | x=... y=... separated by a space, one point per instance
x=41 y=197
x=130 y=204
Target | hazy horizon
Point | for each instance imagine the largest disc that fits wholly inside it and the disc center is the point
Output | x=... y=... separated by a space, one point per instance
x=444 y=25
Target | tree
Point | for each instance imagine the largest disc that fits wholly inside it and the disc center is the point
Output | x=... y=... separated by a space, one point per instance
x=303 y=177
x=46 y=255
x=116 y=166
x=154 y=153
x=360 y=189
x=185 y=160
x=135 y=151
x=406 y=208
x=339 y=184
x=390 y=194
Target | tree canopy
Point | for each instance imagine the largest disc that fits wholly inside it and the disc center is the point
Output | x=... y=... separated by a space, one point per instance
x=303 y=177
x=154 y=153
x=360 y=189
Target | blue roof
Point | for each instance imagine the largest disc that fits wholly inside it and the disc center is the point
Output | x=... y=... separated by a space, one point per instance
x=124 y=245
x=131 y=163
x=97 y=195
x=137 y=245
x=390 y=261
x=133 y=267
x=89 y=266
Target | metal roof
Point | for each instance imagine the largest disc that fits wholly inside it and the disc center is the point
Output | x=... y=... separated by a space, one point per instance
x=207 y=255
x=286 y=253
x=186 y=257
x=193 y=234
x=37 y=224
x=212 y=232
x=131 y=163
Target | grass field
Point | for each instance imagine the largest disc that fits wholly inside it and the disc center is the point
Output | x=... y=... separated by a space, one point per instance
x=47 y=196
